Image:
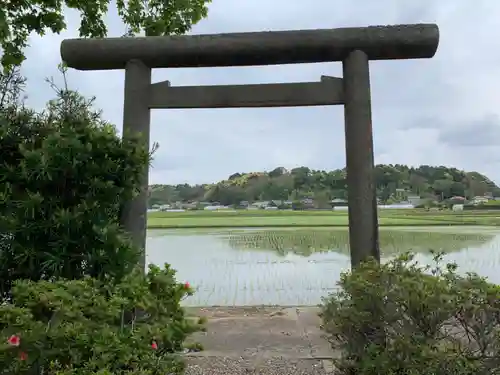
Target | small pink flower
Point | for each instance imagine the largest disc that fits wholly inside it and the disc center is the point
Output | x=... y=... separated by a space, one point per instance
x=186 y=285
x=14 y=340
x=154 y=345
x=23 y=356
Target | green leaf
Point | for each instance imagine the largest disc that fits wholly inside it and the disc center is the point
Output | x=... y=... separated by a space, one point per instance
x=153 y=17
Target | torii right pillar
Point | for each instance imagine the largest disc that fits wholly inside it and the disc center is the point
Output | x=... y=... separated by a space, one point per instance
x=361 y=189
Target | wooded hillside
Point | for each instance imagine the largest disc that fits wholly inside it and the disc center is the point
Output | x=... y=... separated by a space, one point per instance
x=394 y=182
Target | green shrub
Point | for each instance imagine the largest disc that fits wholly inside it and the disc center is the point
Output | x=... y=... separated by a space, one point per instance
x=401 y=318
x=84 y=327
x=63 y=178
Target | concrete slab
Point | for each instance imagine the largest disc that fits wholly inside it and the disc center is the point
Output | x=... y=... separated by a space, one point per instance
x=265 y=332
x=260 y=340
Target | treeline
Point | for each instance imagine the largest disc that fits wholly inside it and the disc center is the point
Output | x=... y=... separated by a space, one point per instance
x=394 y=183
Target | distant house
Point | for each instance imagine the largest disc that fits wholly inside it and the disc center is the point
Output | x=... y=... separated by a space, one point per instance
x=479 y=200
x=189 y=206
x=277 y=202
x=262 y=204
x=215 y=208
x=244 y=204
x=338 y=200
x=414 y=200
x=272 y=204
x=307 y=203
x=401 y=194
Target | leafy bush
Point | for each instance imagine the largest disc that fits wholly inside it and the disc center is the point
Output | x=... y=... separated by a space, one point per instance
x=405 y=319
x=84 y=327
x=63 y=177
x=71 y=298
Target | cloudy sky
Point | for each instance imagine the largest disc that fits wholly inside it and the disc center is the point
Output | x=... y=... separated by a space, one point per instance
x=440 y=111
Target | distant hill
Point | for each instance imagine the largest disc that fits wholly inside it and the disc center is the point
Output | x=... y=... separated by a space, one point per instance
x=394 y=183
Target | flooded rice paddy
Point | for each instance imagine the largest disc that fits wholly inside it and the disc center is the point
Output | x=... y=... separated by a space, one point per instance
x=299 y=266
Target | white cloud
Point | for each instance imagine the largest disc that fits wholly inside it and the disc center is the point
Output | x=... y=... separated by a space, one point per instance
x=422 y=109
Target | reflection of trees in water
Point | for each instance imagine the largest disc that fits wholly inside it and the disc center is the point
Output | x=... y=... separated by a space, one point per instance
x=306 y=242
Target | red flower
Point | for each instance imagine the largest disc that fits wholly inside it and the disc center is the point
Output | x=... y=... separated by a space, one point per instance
x=154 y=345
x=186 y=285
x=14 y=340
x=23 y=356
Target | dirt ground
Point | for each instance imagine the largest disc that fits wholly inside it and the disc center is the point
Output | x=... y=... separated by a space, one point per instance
x=260 y=340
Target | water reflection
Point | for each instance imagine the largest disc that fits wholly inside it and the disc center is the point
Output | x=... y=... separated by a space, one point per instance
x=308 y=241
x=299 y=266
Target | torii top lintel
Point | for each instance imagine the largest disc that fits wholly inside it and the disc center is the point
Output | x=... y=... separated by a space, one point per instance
x=256 y=48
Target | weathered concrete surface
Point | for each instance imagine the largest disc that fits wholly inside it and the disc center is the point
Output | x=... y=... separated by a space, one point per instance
x=328 y=91
x=360 y=166
x=260 y=340
x=258 y=48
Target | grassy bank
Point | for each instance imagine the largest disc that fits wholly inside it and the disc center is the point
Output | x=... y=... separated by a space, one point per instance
x=270 y=219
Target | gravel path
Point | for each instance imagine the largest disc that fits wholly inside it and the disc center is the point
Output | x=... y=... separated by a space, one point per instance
x=249 y=366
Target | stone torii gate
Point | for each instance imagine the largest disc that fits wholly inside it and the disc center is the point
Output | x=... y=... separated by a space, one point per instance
x=354 y=47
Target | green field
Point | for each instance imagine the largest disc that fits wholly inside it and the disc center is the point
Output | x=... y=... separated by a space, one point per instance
x=268 y=218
